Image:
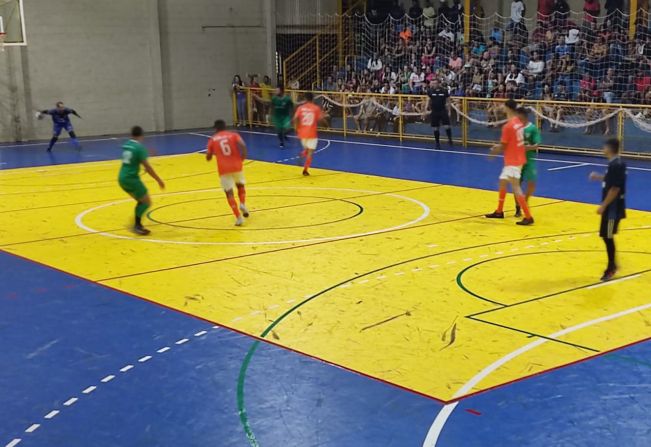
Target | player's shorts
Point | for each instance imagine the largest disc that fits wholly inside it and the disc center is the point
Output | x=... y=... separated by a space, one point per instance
x=231 y=179
x=58 y=128
x=282 y=123
x=609 y=226
x=309 y=143
x=134 y=187
x=439 y=118
x=510 y=172
x=529 y=173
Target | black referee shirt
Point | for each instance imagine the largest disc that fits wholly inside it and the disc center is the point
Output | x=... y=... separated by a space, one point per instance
x=438 y=100
x=615 y=178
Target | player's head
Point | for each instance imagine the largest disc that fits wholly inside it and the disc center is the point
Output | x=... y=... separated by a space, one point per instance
x=137 y=133
x=611 y=147
x=523 y=114
x=220 y=125
x=280 y=91
x=511 y=107
x=60 y=105
x=434 y=83
x=309 y=96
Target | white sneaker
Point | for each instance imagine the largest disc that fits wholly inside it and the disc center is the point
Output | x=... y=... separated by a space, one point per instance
x=239 y=221
x=244 y=209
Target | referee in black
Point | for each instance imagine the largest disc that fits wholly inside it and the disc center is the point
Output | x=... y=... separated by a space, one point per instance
x=613 y=204
x=438 y=104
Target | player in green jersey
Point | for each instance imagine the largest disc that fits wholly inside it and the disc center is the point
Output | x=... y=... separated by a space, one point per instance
x=532 y=140
x=135 y=154
x=281 y=114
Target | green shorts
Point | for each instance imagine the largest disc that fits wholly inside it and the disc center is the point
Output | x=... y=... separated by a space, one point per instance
x=134 y=187
x=282 y=123
x=529 y=173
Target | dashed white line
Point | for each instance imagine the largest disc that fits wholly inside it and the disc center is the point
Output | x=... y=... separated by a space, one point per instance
x=499 y=252
x=216 y=327
x=544 y=243
x=290 y=301
x=144 y=359
x=108 y=378
x=467 y=259
x=483 y=256
x=14 y=442
x=70 y=401
x=51 y=414
x=273 y=306
x=530 y=246
x=181 y=341
x=90 y=389
x=126 y=368
x=200 y=333
x=558 y=240
x=254 y=313
x=433 y=266
x=432 y=246
x=452 y=262
x=399 y=273
x=236 y=319
x=32 y=428
x=381 y=277
x=515 y=249
x=165 y=349
x=363 y=281
x=417 y=269
x=344 y=286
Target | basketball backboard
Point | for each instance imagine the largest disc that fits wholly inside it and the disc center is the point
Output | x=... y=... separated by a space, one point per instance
x=12 y=22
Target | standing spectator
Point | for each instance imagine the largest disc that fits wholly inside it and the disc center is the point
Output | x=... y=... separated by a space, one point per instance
x=545 y=10
x=397 y=11
x=613 y=7
x=592 y=9
x=517 y=14
x=267 y=91
x=240 y=100
x=374 y=64
x=560 y=13
x=429 y=13
x=415 y=11
x=256 y=98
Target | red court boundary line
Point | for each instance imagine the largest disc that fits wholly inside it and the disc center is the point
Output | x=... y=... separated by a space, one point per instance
x=322 y=360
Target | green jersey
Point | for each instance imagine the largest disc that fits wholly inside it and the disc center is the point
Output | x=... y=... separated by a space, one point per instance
x=532 y=137
x=133 y=154
x=282 y=107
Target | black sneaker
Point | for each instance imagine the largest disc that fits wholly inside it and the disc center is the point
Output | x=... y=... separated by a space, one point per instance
x=495 y=215
x=525 y=222
x=437 y=146
x=142 y=231
x=608 y=275
x=282 y=145
x=518 y=212
x=305 y=173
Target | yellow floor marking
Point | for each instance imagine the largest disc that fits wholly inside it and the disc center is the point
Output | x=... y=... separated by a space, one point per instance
x=399 y=314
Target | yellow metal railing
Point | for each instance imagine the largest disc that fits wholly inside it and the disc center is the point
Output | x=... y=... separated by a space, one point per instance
x=345 y=116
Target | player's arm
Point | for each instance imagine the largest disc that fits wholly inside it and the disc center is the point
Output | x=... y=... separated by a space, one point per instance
x=153 y=174
x=596 y=177
x=244 y=152
x=618 y=176
x=536 y=143
x=613 y=193
x=497 y=149
x=74 y=112
x=209 y=151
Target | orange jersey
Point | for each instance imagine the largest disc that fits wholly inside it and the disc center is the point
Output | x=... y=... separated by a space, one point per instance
x=513 y=141
x=308 y=116
x=224 y=146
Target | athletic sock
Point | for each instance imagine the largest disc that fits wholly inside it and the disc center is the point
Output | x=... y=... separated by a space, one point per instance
x=233 y=204
x=140 y=211
x=52 y=143
x=502 y=198
x=281 y=137
x=308 y=163
x=241 y=193
x=448 y=132
x=437 y=136
x=610 y=250
x=523 y=204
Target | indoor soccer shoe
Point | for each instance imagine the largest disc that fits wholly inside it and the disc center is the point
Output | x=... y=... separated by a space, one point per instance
x=244 y=209
x=525 y=222
x=142 y=231
x=495 y=215
x=305 y=173
x=608 y=275
x=239 y=221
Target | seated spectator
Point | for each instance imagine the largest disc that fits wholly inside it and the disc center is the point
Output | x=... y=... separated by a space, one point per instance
x=592 y=9
x=456 y=62
x=536 y=67
x=388 y=88
x=562 y=48
x=497 y=34
x=374 y=64
x=515 y=76
x=416 y=81
x=607 y=86
x=405 y=35
x=560 y=13
x=429 y=54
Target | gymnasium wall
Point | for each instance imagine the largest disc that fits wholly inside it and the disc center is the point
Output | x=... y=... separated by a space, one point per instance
x=122 y=62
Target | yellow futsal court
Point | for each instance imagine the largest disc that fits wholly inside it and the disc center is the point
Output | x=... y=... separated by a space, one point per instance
x=400 y=280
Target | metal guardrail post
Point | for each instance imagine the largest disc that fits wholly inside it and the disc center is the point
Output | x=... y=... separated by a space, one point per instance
x=343 y=113
x=401 y=122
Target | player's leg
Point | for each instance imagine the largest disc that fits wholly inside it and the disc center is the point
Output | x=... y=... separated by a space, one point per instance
x=607 y=232
x=241 y=192
x=56 y=131
x=228 y=184
x=499 y=211
x=518 y=210
x=519 y=196
x=143 y=204
x=437 y=132
x=446 y=125
x=73 y=136
x=310 y=145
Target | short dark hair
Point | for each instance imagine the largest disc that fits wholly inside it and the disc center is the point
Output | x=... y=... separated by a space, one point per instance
x=136 y=131
x=511 y=104
x=613 y=144
x=524 y=111
x=309 y=96
x=59 y=103
x=220 y=125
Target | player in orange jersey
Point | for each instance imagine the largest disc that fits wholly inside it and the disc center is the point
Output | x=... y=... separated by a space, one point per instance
x=230 y=150
x=306 y=119
x=513 y=146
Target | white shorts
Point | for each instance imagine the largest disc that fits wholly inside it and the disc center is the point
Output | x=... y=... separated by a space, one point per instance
x=510 y=172
x=309 y=143
x=229 y=181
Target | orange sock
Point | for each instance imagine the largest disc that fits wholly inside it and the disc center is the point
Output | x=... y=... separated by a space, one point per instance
x=241 y=193
x=308 y=163
x=525 y=207
x=500 y=204
x=233 y=205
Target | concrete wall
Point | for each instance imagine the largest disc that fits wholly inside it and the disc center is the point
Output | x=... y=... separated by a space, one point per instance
x=125 y=62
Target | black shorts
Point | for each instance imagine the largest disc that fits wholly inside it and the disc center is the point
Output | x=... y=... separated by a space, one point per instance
x=609 y=226
x=439 y=118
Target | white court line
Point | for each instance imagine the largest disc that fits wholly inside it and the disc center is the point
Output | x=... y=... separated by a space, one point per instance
x=424 y=149
x=32 y=428
x=560 y=168
x=13 y=443
x=51 y=414
x=443 y=415
x=608 y=283
x=70 y=401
